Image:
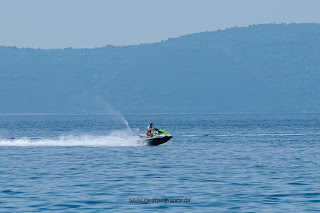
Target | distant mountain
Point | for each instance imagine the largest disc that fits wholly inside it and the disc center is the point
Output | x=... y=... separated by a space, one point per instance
x=260 y=68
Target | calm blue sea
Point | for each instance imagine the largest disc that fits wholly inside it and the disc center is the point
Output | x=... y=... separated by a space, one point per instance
x=214 y=163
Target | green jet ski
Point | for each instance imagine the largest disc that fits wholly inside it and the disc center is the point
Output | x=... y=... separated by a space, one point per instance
x=159 y=137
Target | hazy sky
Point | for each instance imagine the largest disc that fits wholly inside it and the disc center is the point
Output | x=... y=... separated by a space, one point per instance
x=94 y=23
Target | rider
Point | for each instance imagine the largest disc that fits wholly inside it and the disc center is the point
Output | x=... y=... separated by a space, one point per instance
x=149 y=130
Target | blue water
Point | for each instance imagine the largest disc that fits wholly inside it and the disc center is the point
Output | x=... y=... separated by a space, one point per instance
x=221 y=163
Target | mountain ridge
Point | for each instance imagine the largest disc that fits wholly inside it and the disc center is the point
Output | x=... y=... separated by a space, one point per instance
x=260 y=68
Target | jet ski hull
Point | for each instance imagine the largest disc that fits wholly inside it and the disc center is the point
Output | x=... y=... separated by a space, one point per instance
x=156 y=140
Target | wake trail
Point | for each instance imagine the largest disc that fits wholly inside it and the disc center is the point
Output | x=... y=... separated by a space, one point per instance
x=116 y=138
x=249 y=135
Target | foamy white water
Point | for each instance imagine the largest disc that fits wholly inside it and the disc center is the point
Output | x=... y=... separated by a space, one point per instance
x=116 y=138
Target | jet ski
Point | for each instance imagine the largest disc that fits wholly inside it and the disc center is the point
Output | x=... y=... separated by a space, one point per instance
x=159 y=137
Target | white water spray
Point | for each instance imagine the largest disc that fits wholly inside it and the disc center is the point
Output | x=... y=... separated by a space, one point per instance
x=116 y=138
x=123 y=137
x=118 y=113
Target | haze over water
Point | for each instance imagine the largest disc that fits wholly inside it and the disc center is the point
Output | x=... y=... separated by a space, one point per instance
x=221 y=162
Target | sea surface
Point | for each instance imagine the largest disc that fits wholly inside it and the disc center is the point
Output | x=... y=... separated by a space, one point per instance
x=214 y=163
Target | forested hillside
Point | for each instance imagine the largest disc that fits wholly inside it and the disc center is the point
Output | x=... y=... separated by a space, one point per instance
x=260 y=68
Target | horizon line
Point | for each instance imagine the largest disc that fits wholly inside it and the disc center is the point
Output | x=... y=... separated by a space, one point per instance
x=157 y=42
